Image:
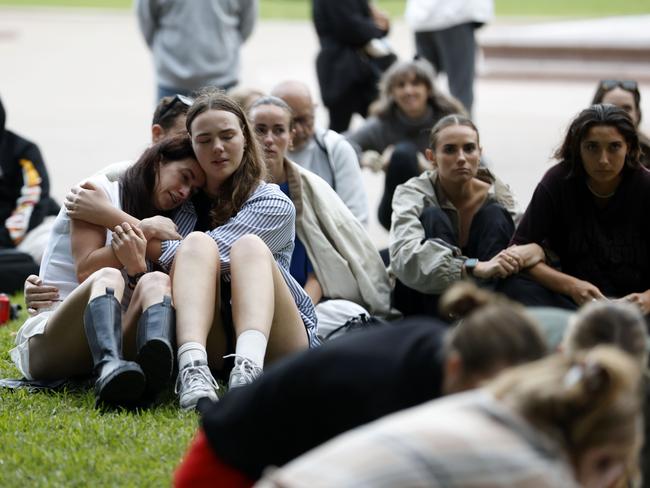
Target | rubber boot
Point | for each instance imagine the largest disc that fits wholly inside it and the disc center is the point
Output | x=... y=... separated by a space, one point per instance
x=155 y=342
x=119 y=382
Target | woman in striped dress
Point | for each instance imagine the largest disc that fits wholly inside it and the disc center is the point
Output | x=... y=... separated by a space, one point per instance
x=231 y=285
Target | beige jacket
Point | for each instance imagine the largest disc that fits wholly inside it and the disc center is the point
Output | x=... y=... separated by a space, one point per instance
x=426 y=265
x=346 y=262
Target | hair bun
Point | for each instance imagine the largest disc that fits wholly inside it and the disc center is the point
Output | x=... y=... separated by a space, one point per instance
x=463 y=298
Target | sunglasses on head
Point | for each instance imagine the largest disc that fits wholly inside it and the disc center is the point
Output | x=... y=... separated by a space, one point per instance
x=178 y=98
x=629 y=85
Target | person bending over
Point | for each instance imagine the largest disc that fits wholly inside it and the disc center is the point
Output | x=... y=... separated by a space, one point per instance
x=307 y=399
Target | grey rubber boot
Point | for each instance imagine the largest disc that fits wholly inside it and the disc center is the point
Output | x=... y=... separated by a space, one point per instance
x=156 y=344
x=119 y=382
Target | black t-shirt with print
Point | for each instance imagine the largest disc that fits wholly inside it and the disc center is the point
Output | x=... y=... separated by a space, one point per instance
x=607 y=246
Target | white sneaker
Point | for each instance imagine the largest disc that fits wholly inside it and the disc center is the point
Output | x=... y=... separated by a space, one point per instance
x=195 y=381
x=244 y=372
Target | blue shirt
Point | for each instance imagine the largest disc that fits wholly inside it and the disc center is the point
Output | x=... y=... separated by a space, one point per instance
x=300 y=266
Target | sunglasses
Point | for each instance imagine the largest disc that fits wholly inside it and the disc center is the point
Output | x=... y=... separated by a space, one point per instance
x=178 y=98
x=629 y=85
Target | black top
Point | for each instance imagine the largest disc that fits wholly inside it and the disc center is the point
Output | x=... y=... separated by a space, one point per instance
x=608 y=247
x=343 y=28
x=306 y=399
x=21 y=164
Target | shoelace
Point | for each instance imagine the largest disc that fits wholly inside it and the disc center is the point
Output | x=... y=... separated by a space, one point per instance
x=246 y=368
x=194 y=377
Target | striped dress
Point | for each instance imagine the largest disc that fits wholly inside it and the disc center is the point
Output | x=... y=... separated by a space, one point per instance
x=271 y=216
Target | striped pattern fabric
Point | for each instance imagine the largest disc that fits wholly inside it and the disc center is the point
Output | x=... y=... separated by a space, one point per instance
x=268 y=214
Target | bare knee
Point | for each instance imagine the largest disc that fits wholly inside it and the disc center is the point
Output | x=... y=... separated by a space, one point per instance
x=198 y=244
x=107 y=278
x=247 y=247
x=155 y=282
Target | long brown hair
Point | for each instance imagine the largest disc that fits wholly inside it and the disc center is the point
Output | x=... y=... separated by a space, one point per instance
x=237 y=188
x=138 y=183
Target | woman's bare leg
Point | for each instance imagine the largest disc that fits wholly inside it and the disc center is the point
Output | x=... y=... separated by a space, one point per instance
x=62 y=351
x=195 y=286
x=261 y=299
x=195 y=290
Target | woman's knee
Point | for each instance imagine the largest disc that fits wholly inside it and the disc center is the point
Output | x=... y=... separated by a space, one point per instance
x=107 y=277
x=403 y=163
x=247 y=247
x=198 y=244
x=155 y=282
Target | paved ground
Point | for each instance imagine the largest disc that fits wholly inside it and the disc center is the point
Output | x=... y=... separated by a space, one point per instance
x=80 y=83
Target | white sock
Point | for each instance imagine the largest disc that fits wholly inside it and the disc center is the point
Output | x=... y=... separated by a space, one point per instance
x=251 y=344
x=190 y=352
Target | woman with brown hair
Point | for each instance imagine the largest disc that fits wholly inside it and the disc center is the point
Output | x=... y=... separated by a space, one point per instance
x=104 y=320
x=233 y=291
x=452 y=222
x=556 y=422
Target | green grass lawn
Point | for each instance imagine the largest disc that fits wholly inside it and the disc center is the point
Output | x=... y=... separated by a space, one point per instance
x=299 y=9
x=60 y=439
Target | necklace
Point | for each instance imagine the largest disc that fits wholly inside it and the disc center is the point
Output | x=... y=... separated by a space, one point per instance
x=600 y=195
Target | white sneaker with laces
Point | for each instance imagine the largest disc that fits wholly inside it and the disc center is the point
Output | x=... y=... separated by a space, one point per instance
x=244 y=372
x=195 y=381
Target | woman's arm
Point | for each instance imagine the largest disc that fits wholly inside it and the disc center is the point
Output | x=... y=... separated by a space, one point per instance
x=268 y=214
x=426 y=265
x=88 y=203
x=89 y=250
x=580 y=291
x=313 y=289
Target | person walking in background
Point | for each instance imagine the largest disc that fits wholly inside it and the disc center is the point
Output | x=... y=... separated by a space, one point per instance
x=346 y=74
x=195 y=44
x=322 y=151
x=444 y=35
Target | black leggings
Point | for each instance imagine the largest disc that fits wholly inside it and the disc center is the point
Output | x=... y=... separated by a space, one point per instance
x=490 y=233
x=402 y=166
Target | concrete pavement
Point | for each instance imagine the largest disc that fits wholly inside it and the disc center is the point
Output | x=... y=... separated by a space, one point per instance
x=80 y=83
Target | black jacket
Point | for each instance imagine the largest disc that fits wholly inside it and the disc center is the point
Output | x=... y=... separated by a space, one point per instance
x=343 y=28
x=21 y=168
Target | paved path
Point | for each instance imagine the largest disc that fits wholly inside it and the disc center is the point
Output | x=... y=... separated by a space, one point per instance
x=80 y=83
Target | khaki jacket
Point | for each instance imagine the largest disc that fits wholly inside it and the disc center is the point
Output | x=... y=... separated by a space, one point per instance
x=346 y=262
x=429 y=266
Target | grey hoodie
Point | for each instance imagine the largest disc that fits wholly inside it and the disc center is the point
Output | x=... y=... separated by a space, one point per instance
x=196 y=42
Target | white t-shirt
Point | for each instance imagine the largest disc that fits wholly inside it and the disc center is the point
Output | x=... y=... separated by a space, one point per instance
x=57 y=267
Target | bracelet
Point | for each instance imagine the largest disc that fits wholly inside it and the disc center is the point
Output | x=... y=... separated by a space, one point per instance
x=133 y=280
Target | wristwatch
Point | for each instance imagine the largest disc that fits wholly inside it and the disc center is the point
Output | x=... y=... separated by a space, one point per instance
x=470 y=264
x=133 y=280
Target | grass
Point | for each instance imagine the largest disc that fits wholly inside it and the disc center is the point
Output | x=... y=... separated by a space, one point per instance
x=60 y=439
x=300 y=9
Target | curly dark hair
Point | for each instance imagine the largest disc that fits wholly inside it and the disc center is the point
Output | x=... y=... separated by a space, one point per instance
x=601 y=114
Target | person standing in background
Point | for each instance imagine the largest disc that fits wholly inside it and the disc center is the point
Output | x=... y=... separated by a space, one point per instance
x=195 y=44
x=347 y=79
x=444 y=36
